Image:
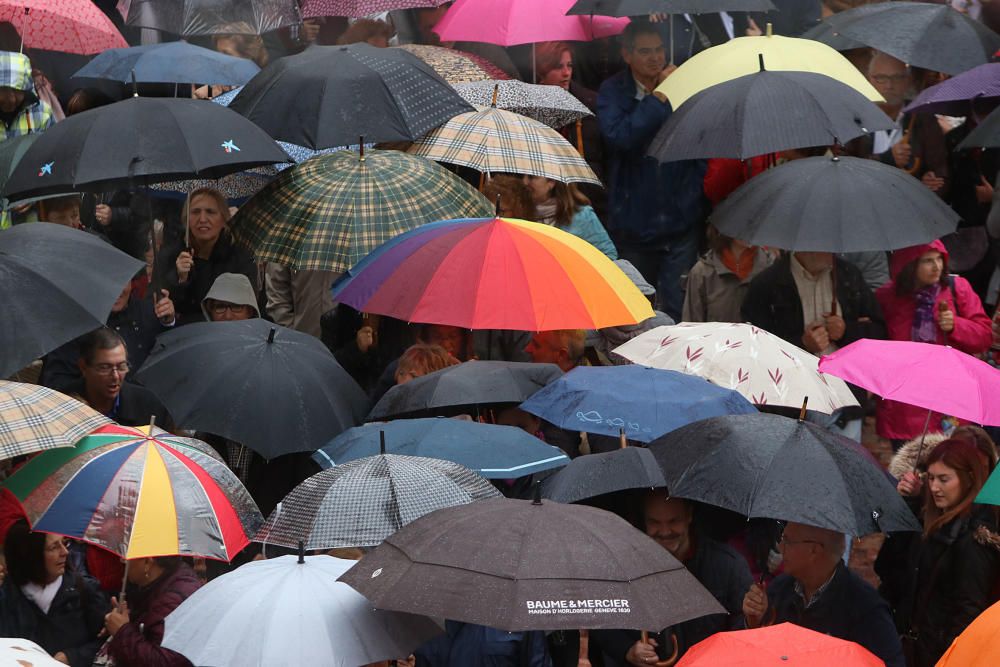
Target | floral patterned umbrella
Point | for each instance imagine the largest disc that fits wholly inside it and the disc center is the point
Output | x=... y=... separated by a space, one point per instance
x=551 y=105
x=455 y=66
x=69 y=26
x=360 y=8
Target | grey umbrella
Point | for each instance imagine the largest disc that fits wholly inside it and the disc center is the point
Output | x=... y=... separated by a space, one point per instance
x=596 y=474
x=211 y=17
x=547 y=104
x=643 y=7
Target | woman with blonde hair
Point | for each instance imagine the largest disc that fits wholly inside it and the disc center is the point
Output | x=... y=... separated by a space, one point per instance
x=420 y=359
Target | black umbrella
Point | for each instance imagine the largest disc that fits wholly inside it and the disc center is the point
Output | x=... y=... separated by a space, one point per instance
x=596 y=474
x=56 y=283
x=768 y=466
x=275 y=390
x=523 y=565
x=825 y=33
x=986 y=134
x=643 y=7
x=470 y=384
x=331 y=95
x=210 y=17
x=834 y=205
x=766 y=112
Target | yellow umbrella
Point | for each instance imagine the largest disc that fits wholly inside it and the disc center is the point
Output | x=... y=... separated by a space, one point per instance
x=739 y=57
x=978 y=645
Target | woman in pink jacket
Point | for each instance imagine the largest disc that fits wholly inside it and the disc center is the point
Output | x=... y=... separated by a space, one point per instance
x=924 y=303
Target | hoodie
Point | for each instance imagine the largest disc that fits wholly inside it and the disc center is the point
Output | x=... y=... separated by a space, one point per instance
x=231 y=288
x=32 y=115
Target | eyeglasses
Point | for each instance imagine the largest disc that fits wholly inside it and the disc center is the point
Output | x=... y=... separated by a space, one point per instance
x=883 y=79
x=56 y=547
x=646 y=52
x=788 y=543
x=109 y=369
x=220 y=307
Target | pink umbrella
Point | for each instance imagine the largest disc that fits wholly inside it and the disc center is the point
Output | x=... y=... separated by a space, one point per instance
x=360 y=8
x=70 y=26
x=512 y=22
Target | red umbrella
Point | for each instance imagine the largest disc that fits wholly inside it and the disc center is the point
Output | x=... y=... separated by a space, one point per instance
x=783 y=644
x=70 y=26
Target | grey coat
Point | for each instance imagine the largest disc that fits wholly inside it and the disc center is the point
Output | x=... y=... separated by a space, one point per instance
x=714 y=293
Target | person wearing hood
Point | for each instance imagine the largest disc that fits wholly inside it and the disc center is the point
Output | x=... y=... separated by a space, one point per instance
x=718 y=283
x=230 y=298
x=924 y=303
x=20 y=109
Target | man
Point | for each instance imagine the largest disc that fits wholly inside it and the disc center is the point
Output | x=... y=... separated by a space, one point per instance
x=298 y=299
x=230 y=298
x=818 y=592
x=655 y=210
x=563 y=347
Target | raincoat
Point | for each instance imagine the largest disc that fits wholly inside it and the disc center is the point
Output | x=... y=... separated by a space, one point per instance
x=32 y=115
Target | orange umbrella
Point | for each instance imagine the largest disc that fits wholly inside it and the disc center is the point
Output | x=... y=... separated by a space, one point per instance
x=978 y=645
x=784 y=644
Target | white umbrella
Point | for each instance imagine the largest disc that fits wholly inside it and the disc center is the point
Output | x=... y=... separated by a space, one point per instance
x=24 y=653
x=288 y=611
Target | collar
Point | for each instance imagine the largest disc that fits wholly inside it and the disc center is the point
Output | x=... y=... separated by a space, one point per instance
x=819 y=591
x=118 y=402
x=641 y=91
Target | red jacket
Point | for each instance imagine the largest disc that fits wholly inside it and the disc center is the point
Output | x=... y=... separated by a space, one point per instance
x=972 y=334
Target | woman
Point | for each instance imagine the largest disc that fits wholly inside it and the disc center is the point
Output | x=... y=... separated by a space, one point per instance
x=924 y=303
x=717 y=284
x=938 y=582
x=515 y=197
x=40 y=600
x=565 y=207
x=420 y=359
x=136 y=628
x=188 y=273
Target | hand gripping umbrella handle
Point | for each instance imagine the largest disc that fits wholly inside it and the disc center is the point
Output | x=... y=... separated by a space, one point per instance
x=673 y=656
x=583 y=659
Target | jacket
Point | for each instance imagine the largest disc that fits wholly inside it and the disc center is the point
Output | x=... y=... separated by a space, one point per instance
x=137 y=643
x=32 y=115
x=973 y=334
x=136 y=405
x=226 y=257
x=648 y=202
x=587 y=226
x=714 y=293
x=469 y=645
x=72 y=624
x=298 y=299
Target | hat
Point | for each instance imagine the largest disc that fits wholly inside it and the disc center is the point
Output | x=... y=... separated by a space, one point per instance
x=900 y=258
x=633 y=274
x=231 y=288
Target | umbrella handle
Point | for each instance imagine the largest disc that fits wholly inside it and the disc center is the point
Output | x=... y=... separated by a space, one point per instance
x=583 y=659
x=673 y=656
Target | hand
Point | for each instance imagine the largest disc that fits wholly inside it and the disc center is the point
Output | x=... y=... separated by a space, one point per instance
x=642 y=653
x=184 y=264
x=658 y=18
x=667 y=71
x=984 y=191
x=835 y=326
x=902 y=154
x=309 y=31
x=754 y=605
x=774 y=560
x=117 y=617
x=816 y=339
x=931 y=180
x=365 y=338
x=909 y=484
x=945 y=318
x=102 y=213
x=164 y=308
x=753 y=30
x=61 y=657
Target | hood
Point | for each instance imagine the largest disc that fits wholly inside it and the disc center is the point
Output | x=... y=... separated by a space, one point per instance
x=900 y=258
x=903 y=460
x=232 y=288
x=15 y=72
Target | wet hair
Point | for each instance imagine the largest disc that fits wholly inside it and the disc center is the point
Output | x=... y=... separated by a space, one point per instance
x=972 y=467
x=85 y=99
x=99 y=339
x=24 y=551
x=906 y=281
x=423 y=359
x=514 y=194
x=632 y=32
x=548 y=55
x=364 y=29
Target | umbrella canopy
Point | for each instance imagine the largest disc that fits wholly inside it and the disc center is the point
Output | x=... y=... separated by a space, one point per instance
x=644 y=7
x=288 y=611
x=962 y=386
x=512 y=22
x=956 y=96
x=764 y=368
x=272 y=389
x=70 y=26
x=51 y=290
x=330 y=212
x=362 y=502
x=470 y=384
x=138 y=493
x=607 y=472
x=24 y=653
x=494 y=452
x=778 y=644
x=494 y=274
x=551 y=105
x=850 y=204
x=34 y=418
x=239 y=186
x=978 y=644
x=767 y=112
x=11 y=152
x=212 y=17
x=137 y=141
x=986 y=134
x=773 y=467
x=360 y=8
x=990 y=493
x=824 y=32
x=171 y=62
x=534 y=566
x=331 y=95
x=641 y=402
x=455 y=66
x=496 y=141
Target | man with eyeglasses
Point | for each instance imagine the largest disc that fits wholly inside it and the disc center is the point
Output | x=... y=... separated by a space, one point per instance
x=819 y=592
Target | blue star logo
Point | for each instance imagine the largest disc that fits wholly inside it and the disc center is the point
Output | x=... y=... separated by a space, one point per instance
x=229 y=146
x=46 y=169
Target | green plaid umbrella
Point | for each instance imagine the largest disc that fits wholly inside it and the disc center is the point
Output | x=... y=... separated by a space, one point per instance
x=330 y=211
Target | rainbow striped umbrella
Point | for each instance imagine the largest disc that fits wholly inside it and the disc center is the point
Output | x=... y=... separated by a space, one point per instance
x=493 y=274
x=139 y=494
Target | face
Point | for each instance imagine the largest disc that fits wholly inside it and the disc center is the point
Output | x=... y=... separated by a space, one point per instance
x=541 y=188
x=55 y=557
x=450 y=338
x=929 y=268
x=205 y=219
x=647 y=58
x=798 y=549
x=669 y=523
x=379 y=40
x=815 y=262
x=67 y=217
x=944 y=485
x=229 y=46
x=223 y=311
x=122 y=299
x=10 y=99
x=104 y=375
x=543 y=349
x=561 y=75
x=405 y=375
x=890 y=78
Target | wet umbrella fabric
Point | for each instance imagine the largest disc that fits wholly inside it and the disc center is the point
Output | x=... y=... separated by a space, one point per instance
x=644 y=7
x=547 y=104
x=68 y=26
x=212 y=17
x=596 y=474
x=11 y=152
x=533 y=566
x=768 y=466
x=172 y=62
x=955 y=96
x=35 y=418
x=455 y=66
x=827 y=34
x=513 y=22
x=361 y=8
x=785 y=643
x=362 y=502
x=50 y=291
x=272 y=389
x=986 y=134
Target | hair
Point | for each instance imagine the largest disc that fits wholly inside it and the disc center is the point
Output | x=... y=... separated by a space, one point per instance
x=569 y=199
x=547 y=57
x=220 y=200
x=876 y=55
x=983 y=441
x=85 y=99
x=250 y=47
x=104 y=338
x=574 y=340
x=514 y=194
x=906 y=281
x=24 y=551
x=423 y=358
x=633 y=30
x=364 y=29
x=60 y=203
x=717 y=241
x=972 y=467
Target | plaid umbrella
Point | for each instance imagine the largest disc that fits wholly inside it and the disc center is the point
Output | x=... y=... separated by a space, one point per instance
x=360 y=8
x=360 y=503
x=551 y=105
x=455 y=66
x=69 y=26
x=496 y=141
x=330 y=212
x=34 y=418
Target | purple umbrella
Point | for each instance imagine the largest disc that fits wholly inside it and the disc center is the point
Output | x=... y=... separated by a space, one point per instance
x=954 y=96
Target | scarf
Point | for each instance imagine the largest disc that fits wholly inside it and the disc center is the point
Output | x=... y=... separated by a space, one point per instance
x=924 y=329
x=742 y=266
x=545 y=212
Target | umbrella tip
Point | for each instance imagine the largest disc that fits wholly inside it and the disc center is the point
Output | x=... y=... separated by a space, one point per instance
x=537 y=500
x=770 y=29
x=152 y=424
x=302 y=552
x=361 y=148
x=270 y=335
x=381 y=442
x=135 y=86
x=496 y=207
x=760 y=59
x=496 y=92
x=802 y=412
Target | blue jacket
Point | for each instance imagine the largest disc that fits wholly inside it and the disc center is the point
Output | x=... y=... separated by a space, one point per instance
x=587 y=226
x=470 y=645
x=648 y=202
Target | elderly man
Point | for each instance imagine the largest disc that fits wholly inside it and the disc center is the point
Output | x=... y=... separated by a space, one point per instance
x=818 y=592
x=562 y=347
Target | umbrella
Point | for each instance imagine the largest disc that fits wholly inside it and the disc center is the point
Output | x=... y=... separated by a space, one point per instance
x=494 y=274
x=331 y=95
x=171 y=62
x=990 y=493
x=272 y=389
x=330 y=212
x=644 y=7
x=289 y=611
x=34 y=418
x=212 y=17
x=957 y=95
x=513 y=22
x=773 y=467
x=985 y=135
x=495 y=141
x=455 y=66
x=767 y=112
x=11 y=152
x=360 y=8
x=778 y=644
x=138 y=493
x=241 y=185
x=825 y=33
x=551 y=105
x=853 y=205
x=469 y=384
x=764 y=368
x=494 y=452
x=533 y=566
x=639 y=402
x=70 y=26
x=25 y=653
x=364 y=501
x=607 y=472
x=934 y=37
x=978 y=644
x=52 y=289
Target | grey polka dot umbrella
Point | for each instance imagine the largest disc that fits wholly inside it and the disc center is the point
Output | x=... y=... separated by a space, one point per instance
x=551 y=105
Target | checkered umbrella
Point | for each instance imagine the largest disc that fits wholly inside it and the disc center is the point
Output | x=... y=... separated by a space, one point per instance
x=497 y=141
x=330 y=212
x=360 y=8
x=34 y=418
x=552 y=105
x=455 y=66
x=360 y=503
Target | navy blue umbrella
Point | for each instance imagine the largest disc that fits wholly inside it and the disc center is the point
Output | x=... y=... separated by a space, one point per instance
x=643 y=402
x=172 y=62
x=494 y=452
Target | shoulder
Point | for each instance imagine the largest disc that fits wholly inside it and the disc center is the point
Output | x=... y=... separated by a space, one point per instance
x=719 y=557
x=614 y=86
x=586 y=214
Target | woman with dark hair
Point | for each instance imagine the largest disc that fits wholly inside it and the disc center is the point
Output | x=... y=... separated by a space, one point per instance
x=718 y=283
x=40 y=600
x=515 y=197
x=562 y=205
